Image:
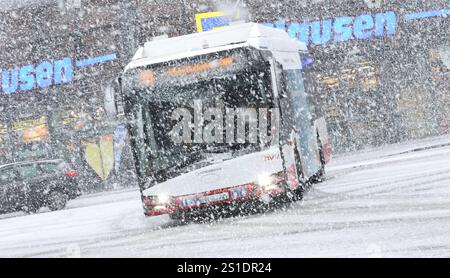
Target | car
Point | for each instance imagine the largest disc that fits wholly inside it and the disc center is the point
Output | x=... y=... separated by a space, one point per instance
x=28 y=186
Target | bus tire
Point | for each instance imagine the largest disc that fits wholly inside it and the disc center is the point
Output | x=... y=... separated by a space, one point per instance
x=320 y=175
x=298 y=193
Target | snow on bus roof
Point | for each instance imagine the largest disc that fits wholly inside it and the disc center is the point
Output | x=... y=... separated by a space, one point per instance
x=230 y=37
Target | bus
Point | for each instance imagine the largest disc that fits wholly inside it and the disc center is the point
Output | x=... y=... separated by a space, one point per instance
x=221 y=119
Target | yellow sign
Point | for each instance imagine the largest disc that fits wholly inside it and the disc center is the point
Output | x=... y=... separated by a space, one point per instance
x=211 y=21
x=32 y=130
x=20 y=125
x=76 y=120
x=35 y=134
x=100 y=157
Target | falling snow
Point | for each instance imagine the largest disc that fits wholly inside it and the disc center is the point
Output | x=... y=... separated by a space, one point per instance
x=88 y=103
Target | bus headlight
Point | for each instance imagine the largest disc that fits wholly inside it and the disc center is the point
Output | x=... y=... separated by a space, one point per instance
x=163 y=198
x=265 y=180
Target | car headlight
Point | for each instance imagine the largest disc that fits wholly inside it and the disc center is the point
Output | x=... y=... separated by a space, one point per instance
x=265 y=180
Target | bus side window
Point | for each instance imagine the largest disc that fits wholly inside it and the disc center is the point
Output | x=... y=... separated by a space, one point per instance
x=302 y=119
x=282 y=91
x=286 y=108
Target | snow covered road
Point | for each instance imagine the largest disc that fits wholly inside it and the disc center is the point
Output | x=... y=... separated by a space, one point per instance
x=386 y=202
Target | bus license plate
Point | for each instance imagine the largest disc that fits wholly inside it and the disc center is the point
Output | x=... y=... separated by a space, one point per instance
x=214 y=198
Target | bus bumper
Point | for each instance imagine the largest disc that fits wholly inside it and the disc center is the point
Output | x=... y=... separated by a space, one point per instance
x=155 y=205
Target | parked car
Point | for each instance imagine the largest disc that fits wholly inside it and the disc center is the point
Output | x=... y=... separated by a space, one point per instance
x=28 y=186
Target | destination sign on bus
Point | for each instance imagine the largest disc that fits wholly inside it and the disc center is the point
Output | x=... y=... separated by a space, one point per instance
x=149 y=77
x=183 y=70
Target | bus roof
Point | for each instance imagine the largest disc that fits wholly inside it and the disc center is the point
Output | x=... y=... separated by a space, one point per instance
x=230 y=37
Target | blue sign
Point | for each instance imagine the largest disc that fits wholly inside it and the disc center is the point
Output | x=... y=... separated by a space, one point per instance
x=210 y=21
x=422 y=15
x=347 y=28
x=45 y=74
x=342 y=28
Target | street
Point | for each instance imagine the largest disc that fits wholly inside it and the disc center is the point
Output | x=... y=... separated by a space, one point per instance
x=392 y=201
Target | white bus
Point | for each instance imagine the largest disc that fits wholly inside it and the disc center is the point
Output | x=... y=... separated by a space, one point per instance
x=246 y=69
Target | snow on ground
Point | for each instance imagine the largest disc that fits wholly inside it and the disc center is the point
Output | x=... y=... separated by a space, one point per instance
x=384 y=202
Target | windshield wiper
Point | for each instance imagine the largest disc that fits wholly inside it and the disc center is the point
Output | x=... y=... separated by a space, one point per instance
x=217 y=149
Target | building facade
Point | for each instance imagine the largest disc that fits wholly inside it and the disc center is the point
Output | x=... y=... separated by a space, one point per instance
x=381 y=67
x=380 y=72
x=58 y=58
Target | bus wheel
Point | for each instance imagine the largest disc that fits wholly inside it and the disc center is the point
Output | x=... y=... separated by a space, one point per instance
x=298 y=193
x=177 y=216
x=320 y=175
x=181 y=218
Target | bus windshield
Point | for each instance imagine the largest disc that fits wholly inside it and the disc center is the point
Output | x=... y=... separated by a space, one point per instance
x=161 y=157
